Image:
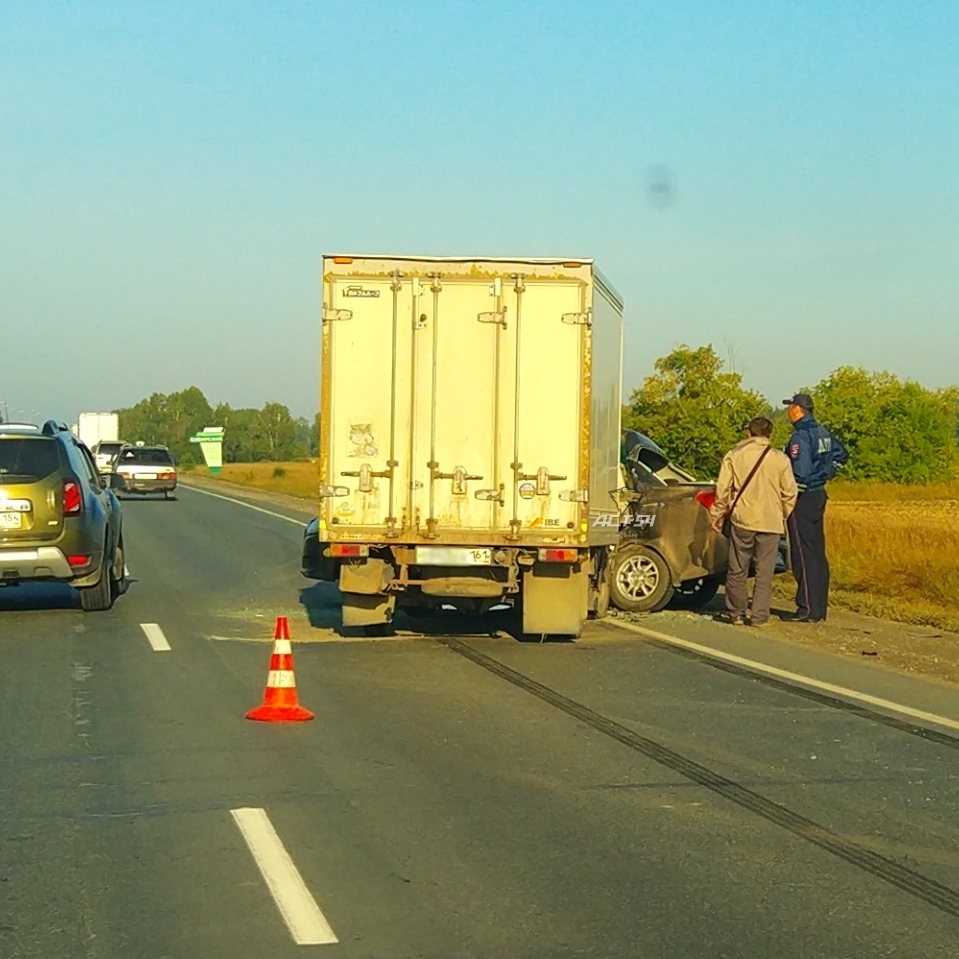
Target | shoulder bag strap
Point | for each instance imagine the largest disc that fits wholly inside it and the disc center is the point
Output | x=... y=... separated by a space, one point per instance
x=752 y=473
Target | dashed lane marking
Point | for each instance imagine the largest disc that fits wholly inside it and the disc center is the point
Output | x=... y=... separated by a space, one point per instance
x=307 y=924
x=239 y=502
x=156 y=637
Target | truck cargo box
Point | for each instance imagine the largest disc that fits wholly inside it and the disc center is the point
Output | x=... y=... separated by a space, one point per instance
x=468 y=402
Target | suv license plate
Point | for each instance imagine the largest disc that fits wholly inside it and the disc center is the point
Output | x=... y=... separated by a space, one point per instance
x=453 y=556
x=11 y=520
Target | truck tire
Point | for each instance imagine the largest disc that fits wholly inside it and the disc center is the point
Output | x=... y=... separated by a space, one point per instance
x=601 y=599
x=639 y=580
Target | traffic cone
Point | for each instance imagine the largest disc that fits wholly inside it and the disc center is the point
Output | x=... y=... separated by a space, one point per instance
x=279 y=700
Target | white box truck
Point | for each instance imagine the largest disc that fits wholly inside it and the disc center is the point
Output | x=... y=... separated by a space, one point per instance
x=469 y=436
x=94 y=428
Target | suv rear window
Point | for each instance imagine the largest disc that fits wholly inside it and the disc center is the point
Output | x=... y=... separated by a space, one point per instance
x=27 y=460
x=146 y=457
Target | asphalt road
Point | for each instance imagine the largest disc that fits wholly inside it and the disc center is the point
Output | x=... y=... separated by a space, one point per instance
x=463 y=796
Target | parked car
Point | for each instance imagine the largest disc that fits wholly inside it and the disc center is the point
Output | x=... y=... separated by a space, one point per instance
x=668 y=549
x=147 y=469
x=60 y=521
x=106 y=453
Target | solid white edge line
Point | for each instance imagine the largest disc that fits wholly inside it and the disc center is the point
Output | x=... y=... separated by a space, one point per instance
x=307 y=924
x=239 y=502
x=793 y=677
x=156 y=637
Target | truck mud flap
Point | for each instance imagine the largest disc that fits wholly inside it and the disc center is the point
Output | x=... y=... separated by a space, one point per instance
x=555 y=601
x=361 y=610
x=369 y=577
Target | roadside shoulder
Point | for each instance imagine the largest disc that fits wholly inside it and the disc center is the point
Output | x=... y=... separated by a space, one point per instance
x=778 y=649
x=254 y=495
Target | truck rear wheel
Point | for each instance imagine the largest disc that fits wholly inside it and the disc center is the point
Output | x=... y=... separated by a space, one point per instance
x=639 y=580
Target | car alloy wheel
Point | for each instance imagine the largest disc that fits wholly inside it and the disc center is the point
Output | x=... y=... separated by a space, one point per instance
x=639 y=580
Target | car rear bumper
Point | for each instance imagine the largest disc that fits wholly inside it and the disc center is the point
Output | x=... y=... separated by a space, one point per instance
x=46 y=563
x=147 y=486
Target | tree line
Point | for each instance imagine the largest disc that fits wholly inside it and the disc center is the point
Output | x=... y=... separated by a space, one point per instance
x=896 y=431
x=251 y=435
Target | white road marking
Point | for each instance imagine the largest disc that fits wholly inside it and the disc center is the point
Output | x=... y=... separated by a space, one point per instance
x=155 y=635
x=239 y=502
x=126 y=571
x=307 y=924
x=802 y=680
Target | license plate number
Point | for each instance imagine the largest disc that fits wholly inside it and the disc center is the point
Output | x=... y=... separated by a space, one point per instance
x=11 y=520
x=453 y=556
x=144 y=475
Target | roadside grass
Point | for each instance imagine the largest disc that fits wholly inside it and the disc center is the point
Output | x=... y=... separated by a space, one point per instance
x=894 y=550
x=896 y=557
x=291 y=479
x=893 y=493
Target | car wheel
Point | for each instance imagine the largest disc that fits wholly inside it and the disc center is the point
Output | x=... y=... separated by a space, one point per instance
x=118 y=576
x=96 y=599
x=639 y=580
x=696 y=593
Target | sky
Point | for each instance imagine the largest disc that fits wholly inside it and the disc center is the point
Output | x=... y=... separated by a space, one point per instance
x=779 y=180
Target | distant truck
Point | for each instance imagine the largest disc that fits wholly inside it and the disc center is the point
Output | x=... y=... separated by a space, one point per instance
x=96 y=428
x=469 y=437
x=93 y=428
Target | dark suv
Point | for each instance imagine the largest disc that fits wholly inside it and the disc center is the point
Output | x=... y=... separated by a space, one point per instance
x=60 y=521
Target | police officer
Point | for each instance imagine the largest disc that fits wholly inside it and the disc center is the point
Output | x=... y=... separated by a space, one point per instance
x=816 y=457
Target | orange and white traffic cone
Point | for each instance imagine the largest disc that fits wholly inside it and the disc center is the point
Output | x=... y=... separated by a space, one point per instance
x=280 y=704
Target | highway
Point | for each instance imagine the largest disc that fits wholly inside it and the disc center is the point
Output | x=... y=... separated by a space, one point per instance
x=456 y=795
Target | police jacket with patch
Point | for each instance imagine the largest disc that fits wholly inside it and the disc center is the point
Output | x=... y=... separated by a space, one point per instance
x=816 y=454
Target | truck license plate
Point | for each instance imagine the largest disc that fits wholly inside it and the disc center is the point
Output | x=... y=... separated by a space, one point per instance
x=11 y=520
x=453 y=556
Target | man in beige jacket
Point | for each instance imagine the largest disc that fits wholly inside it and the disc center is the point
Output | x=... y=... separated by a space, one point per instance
x=758 y=519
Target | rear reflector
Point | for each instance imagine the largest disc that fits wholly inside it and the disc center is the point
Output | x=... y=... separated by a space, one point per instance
x=558 y=555
x=72 y=498
x=78 y=560
x=706 y=498
x=349 y=549
x=342 y=259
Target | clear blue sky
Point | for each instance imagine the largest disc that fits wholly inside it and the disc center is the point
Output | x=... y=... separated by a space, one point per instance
x=170 y=175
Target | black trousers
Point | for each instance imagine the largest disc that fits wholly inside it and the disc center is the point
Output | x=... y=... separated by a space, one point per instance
x=807 y=541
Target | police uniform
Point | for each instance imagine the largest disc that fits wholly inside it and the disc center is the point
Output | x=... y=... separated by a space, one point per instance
x=816 y=456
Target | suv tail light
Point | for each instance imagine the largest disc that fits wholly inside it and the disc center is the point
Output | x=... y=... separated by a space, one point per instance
x=706 y=499
x=72 y=498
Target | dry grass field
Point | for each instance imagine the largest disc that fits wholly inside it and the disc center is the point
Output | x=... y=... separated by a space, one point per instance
x=894 y=549
x=292 y=479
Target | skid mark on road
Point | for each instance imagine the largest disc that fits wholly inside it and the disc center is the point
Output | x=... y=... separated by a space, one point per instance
x=156 y=637
x=307 y=924
x=922 y=887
